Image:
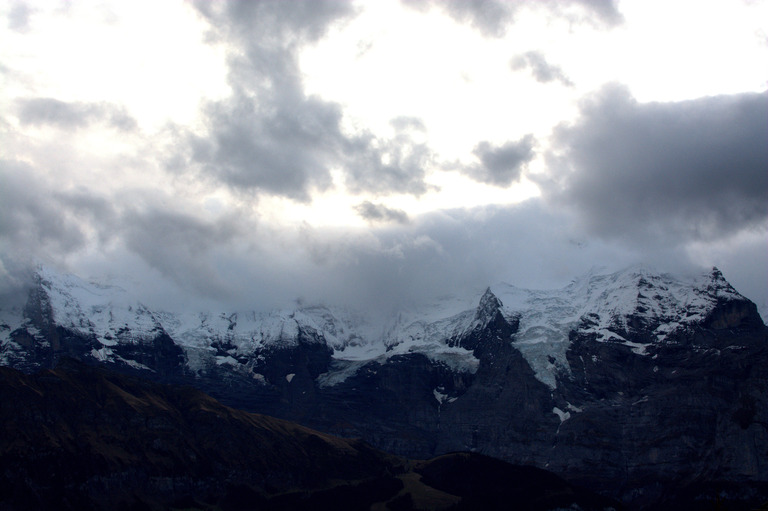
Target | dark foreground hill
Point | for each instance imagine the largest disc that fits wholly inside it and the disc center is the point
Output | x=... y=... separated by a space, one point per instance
x=82 y=437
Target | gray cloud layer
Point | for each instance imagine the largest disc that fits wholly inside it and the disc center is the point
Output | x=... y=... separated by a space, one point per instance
x=47 y=224
x=657 y=175
x=542 y=71
x=180 y=260
x=19 y=16
x=501 y=165
x=692 y=170
x=272 y=148
x=381 y=213
x=493 y=17
x=31 y=222
x=269 y=136
x=72 y=115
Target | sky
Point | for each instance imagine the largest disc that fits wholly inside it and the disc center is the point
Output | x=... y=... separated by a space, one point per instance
x=252 y=155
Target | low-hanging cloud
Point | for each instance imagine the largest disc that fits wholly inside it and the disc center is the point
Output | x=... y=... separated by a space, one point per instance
x=181 y=260
x=34 y=218
x=542 y=71
x=392 y=266
x=180 y=246
x=664 y=172
x=44 y=223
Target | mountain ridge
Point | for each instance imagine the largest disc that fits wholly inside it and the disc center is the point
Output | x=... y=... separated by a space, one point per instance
x=631 y=383
x=110 y=315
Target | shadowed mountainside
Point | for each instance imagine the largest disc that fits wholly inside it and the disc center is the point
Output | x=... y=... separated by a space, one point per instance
x=82 y=437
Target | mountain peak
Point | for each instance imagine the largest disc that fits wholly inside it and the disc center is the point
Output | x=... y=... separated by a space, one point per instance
x=716 y=285
x=489 y=305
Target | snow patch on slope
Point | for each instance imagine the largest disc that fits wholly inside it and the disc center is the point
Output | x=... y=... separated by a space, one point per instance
x=107 y=313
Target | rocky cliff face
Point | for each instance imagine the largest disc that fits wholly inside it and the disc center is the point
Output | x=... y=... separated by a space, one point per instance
x=640 y=385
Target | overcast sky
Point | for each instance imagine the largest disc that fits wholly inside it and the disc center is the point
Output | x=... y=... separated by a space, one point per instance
x=249 y=154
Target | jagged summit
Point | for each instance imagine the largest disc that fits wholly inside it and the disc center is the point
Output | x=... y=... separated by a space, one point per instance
x=488 y=307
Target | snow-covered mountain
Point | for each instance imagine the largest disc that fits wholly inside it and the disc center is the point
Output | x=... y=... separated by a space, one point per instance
x=612 y=308
x=630 y=383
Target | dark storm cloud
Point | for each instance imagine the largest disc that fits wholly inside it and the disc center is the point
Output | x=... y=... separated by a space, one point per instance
x=269 y=136
x=73 y=115
x=542 y=71
x=381 y=213
x=500 y=165
x=670 y=172
x=493 y=17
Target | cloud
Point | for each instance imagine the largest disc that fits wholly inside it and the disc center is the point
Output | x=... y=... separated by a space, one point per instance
x=500 y=165
x=452 y=251
x=269 y=136
x=274 y=22
x=33 y=218
x=18 y=17
x=605 y=10
x=184 y=259
x=180 y=246
x=42 y=222
x=72 y=115
x=288 y=148
x=381 y=213
x=405 y=123
x=664 y=172
x=272 y=148
x=382 y=166
x=492 y=18
x=542 y=71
